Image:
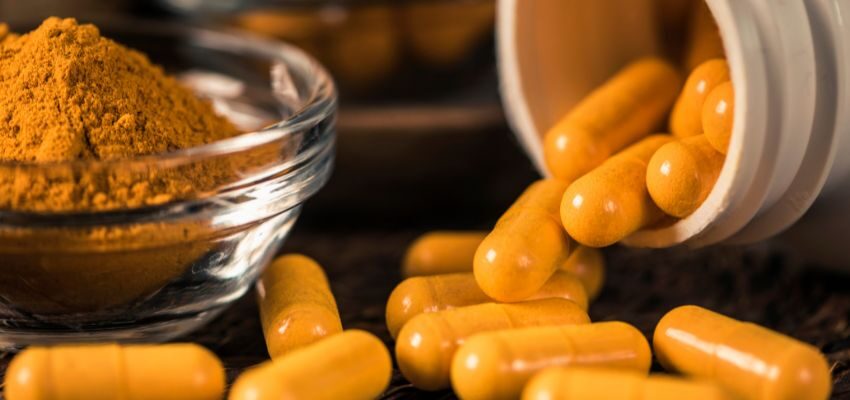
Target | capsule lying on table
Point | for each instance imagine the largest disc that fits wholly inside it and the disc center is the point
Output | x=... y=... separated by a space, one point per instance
x=750 y=361
x=297 y=307
x=588 y=265
x=351 y=365
x=111 y=371
x=442 y=252
x=448 y=252
x=582 y=383
x=419 y=295
x=497 y=365
x=526 y=247
x=426 y=344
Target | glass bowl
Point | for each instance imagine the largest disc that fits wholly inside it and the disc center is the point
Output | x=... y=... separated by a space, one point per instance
x=163 y=262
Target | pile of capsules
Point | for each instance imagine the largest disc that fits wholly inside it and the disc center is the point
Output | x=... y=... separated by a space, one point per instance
x=450 y=333
x=501 y=314
x=619 y=177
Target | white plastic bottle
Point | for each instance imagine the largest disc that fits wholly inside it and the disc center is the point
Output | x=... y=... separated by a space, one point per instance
x=790 y=66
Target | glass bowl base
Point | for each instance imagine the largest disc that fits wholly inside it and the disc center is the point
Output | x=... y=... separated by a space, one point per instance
x=139 y=332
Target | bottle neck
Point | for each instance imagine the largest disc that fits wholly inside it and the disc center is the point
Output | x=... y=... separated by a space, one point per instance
x=772 y=58
x=828 y=129
x=834 y=38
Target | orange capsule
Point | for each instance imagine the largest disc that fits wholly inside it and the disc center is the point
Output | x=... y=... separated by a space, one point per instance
x=111 y=371
x=582 y=383
x=588 y=265
x=426 y=344
x=686 y=117
x=704 y=41
x=352 y=365
x=435 y=293
x=718 y=115
x=622 y=111
x=448 y=252
x=296 y=304
x=526 y=247
x=442 y=252
x=612 y=202
x=497 y=365
x=682 y=173
x=752 y=362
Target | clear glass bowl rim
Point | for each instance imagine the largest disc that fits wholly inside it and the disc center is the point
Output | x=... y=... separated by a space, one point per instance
x=318 y=106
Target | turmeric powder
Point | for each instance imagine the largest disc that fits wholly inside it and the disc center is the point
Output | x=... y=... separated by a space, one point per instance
x=71 y=94
x=72 y=98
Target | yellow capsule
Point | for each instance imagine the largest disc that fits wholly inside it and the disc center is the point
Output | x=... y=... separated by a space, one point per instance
x=588 y=265
x=447 y=252
x=622 y=111
x=110 y=371
x=497 y=365
x=426 y=344
x=526 y=247
x=581 y=383
x=435 y=293
x=296 y=304
x=751 y=361
x=686 y=117
x=682 y=173
x=442 y=252
x=353 y=365
x=704 y=41
x=718 y=115
x=611 y=202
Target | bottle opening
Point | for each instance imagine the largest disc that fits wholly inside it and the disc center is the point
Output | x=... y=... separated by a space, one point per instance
x=553 y=53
